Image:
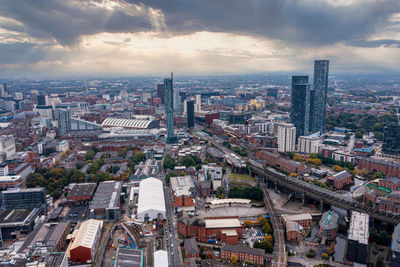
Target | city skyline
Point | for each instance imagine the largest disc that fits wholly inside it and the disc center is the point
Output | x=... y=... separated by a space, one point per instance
x=152 y=38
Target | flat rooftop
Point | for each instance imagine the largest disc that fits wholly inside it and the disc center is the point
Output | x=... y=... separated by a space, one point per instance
x=86 y=189
x=107 y=195
x=297 y=217
x=222 y=223
x=127 y=257
x=16 y=215
x=359 y=227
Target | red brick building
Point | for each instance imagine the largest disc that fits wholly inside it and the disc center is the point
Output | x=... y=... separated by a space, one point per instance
x=339 y=180
x=283 y=164
x=210 y=117
x=393 y=183
x=225 y=229
x=293 y=231
x=81 y=193
x=390 y=169
x=305 y=220
x=255 y=255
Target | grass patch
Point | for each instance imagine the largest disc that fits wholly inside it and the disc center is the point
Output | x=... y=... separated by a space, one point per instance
x=240 y=176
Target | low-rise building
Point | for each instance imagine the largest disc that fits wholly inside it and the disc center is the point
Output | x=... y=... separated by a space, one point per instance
x=328 y=226
x=339 y=180
x=182 y=188
x=106 y=202
x=304 y=220
x=128 y=257
x=393 y=183
x=146 y=169
x=50 y=237
x=247 y=254
x=225 y=229
x=191 y=249
x=85 y=243
x=293 y=231
x=81 y=193
x=17 y=222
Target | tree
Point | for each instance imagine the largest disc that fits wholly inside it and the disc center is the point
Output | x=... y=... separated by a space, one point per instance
x=220 y=192
x=138 y=156
x=234 y=259
x=267 y=228
x=379 y=262
x=188 y=161
x=298 y=158
x=89 y=155
x=268 y=238
x=169 y=162
x=48 y=150
x=359 y=135
x=379 y=175
x=337 y=168
x=325 y=256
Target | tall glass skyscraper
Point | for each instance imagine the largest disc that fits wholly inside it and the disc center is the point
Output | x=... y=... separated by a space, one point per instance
x=169 y=108
x=300 y=105
x=319 y=96
x=190 y=113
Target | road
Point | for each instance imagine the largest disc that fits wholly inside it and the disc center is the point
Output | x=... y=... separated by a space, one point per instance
x=172 y=242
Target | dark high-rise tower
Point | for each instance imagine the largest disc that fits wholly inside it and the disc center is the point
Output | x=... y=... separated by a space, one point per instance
x=300 y=105
x=169 y=108
x=391 y=139
x=319 y=96
x=190 y=113
x=161 y=92
x=41 y=100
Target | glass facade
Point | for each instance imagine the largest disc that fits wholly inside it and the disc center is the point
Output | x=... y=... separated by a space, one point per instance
x=300 y=105
x=319 y=96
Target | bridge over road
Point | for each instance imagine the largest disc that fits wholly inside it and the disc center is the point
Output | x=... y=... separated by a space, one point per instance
x=322 y=195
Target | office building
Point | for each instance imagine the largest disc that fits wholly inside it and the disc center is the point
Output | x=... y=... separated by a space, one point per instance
x=190 y=113
x=357 y=246
x=64 y=121
x=309 y=144
x=273 y=92
x=318 y=97
x=197 y=104
x=300 y=105
x=391 y=139
x=395 y=247
x=176 y=100
x=286 y=137
x=42 y=100
x=24 y=198
x=169 y=108
x=7 y=145
x=161 y=92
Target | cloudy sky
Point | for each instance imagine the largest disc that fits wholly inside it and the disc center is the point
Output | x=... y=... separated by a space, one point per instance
x=132 y=37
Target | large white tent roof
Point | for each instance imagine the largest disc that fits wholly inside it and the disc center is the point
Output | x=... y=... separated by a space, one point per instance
x=151 y=196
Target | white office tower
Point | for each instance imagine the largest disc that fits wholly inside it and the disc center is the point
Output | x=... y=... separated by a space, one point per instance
x=176 y=100
x=7 y=145
x=18 y=96
x=197 y=103
x=309 y=144
x=184 y=107
x=286 y=137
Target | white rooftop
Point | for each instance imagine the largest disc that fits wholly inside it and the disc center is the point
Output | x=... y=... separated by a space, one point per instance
x=223 y=223
x=86 y=235
x=359 y=227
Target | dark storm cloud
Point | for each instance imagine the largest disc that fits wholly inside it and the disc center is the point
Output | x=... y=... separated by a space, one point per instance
x=66 y=21
x=17 y=53
x=301 y=22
